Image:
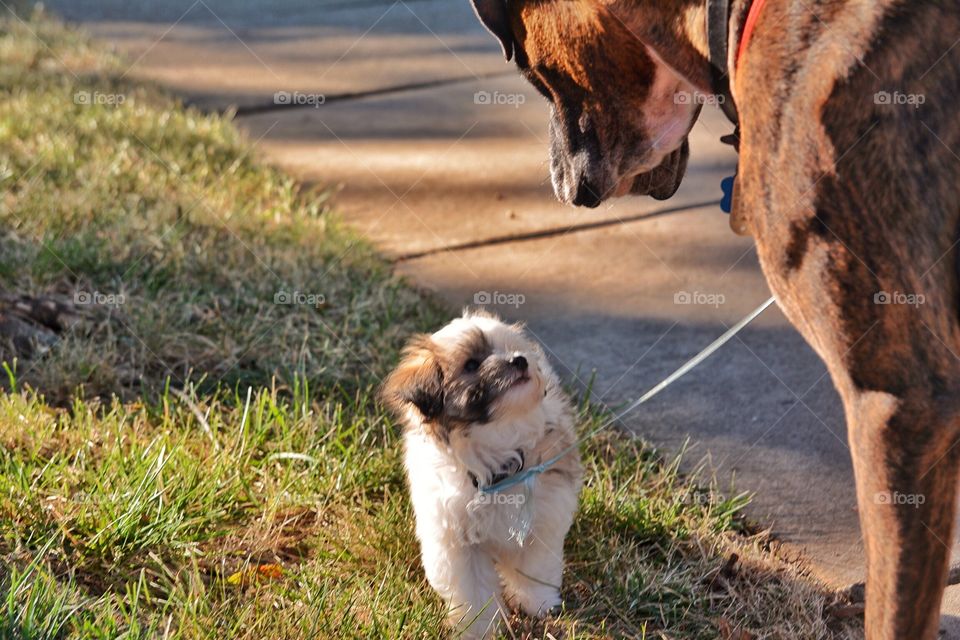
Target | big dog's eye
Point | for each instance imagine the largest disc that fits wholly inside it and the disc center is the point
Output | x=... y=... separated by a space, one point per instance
x=471 y=365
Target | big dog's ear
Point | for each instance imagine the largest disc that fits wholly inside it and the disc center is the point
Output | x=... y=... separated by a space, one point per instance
x=493 y=15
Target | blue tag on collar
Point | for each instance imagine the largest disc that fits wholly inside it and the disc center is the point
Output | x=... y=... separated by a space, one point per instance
x=726 y=185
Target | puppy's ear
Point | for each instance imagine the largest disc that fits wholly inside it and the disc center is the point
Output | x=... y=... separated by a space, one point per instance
x=417 y=380
x=493 y=14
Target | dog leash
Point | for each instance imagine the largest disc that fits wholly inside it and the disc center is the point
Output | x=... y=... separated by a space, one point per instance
x=527 y=475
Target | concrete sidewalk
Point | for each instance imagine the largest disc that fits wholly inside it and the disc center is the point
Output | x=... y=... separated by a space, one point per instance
x=433 y=143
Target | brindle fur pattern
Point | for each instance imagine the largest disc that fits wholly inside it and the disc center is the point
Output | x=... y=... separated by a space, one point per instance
x=847 y=197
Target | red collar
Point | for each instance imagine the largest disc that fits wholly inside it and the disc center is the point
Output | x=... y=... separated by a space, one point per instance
x=748 y=26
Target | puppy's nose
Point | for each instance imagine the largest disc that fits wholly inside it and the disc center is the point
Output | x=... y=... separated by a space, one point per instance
x=587 y=194
x=519 y=362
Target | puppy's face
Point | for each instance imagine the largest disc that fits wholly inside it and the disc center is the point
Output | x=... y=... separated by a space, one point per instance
x=619 y=115
x=474 y=372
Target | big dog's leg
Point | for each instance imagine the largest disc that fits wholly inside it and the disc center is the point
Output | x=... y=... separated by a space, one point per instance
x=906 y=488
x=855 y=207
x=879 y=305
x=898 y=379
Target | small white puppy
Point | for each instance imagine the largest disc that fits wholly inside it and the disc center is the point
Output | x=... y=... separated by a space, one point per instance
x=479 y=402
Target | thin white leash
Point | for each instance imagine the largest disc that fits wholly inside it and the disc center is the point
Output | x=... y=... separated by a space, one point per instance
x=527 y=474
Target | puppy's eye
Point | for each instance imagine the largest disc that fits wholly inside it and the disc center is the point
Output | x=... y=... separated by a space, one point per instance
x=471 y=365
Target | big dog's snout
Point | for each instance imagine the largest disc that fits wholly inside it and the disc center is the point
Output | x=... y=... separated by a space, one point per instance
x=576 y=167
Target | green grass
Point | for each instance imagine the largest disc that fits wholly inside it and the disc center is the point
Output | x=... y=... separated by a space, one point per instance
x=166 y=444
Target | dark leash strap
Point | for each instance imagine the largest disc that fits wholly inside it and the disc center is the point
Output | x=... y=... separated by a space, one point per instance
x=718 y=43
x=718 y=31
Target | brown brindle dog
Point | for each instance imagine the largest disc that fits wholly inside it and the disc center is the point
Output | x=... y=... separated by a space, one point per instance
x=849 y=181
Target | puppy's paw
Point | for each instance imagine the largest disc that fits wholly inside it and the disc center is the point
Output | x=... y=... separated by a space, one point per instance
x=536 y=601
x=482 y=625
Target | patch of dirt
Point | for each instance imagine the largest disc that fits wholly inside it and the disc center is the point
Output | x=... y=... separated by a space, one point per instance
x=31 y=325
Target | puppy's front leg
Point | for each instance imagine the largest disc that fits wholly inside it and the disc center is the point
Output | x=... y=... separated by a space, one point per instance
x=532 y=576
x=466 y=579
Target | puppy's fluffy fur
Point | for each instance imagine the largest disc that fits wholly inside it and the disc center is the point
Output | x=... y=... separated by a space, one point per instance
x=478 y=400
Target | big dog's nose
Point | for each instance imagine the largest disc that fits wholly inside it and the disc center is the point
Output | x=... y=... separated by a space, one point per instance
x=587 y=194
